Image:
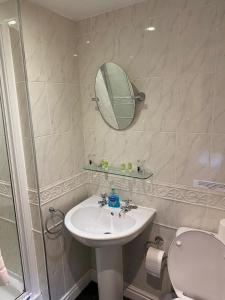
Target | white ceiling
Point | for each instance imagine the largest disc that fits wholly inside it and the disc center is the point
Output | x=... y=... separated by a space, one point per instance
x=81 y=9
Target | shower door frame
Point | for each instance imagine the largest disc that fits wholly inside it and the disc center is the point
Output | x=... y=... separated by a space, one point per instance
x=18 y=168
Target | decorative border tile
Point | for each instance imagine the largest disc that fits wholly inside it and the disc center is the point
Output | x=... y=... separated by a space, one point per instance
x=33 y=196
x=52 y=192
x=146 y=187
x=190 y=195
x=164 y=191
x=5 y=189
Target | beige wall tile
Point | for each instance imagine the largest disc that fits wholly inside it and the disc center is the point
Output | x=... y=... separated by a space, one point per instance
x=217 y=158
x=178 y=131
x=8 y=10
x=180 y=95
x=211 y=219
x=159 y=111
x=76 y=260
x=60 y=99
x=7 y=208
x=39 y=109
x=39 y=248
x=33 y=41
x=220 y=44
x=54 y=251
x=187 y=215
x=50 y=45
x=57 y=151
x=195 y=104
x=219 y=103
x=192 y=158
x=196 y=44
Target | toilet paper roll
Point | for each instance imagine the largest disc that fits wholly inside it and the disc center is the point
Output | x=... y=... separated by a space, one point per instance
x=153 y=262
x=221 y=231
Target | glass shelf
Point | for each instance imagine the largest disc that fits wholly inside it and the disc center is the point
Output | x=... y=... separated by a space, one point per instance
x=117 y=171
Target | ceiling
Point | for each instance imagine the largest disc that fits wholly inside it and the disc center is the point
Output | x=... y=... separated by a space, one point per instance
x=82 y=9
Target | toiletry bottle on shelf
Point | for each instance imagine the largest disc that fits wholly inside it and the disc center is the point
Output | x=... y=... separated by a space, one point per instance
x=129 y=167
x=114 y=199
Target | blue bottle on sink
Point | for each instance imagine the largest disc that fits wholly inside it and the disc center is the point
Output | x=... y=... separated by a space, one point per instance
x=113 y=199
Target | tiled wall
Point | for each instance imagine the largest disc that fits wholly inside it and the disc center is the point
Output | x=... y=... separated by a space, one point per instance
x=179 y=130
x=54 y=93
x=52 y=71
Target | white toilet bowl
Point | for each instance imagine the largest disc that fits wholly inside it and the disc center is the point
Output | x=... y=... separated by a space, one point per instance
x=184 y=298
x=196 y=265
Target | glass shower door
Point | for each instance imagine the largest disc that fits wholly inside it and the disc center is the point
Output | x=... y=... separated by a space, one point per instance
x=10 y=259
x=21 y=242
x=11 y=273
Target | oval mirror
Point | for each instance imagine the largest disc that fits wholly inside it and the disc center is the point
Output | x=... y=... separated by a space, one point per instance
x=115 y=96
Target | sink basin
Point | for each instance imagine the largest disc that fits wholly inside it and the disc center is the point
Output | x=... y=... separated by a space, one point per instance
x=105 y=229
x=97 y=226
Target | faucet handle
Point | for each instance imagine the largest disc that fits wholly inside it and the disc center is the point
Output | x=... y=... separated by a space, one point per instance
x=127 y=202
x=104 y=195
x=103 y=200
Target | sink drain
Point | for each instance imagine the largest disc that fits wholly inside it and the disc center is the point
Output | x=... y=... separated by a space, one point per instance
x=107 y=232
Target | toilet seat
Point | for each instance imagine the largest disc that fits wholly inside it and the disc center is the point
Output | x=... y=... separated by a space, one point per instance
x=184 y=298
x=196 y=265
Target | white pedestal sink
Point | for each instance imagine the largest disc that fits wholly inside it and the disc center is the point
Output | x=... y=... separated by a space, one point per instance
x=104 y=229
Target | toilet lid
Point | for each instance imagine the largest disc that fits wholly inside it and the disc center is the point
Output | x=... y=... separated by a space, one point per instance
x=196 y=265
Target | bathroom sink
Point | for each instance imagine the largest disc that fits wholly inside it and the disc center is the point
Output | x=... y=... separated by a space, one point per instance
x=107 y=230
x=97 y=226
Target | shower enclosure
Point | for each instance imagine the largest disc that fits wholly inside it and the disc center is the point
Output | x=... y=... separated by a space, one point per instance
x=18 y=184
x=9 y=240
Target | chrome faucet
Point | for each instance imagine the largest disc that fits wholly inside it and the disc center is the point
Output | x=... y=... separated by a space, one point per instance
x=103 y=201
x=127 y=207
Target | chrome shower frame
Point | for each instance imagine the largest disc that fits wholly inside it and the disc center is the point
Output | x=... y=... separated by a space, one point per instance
x=18 y=167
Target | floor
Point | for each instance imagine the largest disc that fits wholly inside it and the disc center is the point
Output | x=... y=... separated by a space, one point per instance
x=91 y=293
x=9 y=293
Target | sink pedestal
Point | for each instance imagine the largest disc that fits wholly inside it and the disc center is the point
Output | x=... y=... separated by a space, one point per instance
x=110 y=272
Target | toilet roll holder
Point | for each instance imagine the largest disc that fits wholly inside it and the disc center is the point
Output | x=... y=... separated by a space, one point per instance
x=157 y=243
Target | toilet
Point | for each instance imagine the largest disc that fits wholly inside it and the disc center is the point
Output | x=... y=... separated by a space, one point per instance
x=196 y=265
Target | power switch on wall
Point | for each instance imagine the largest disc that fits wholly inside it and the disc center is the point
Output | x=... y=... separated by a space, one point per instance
x=215 y=186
